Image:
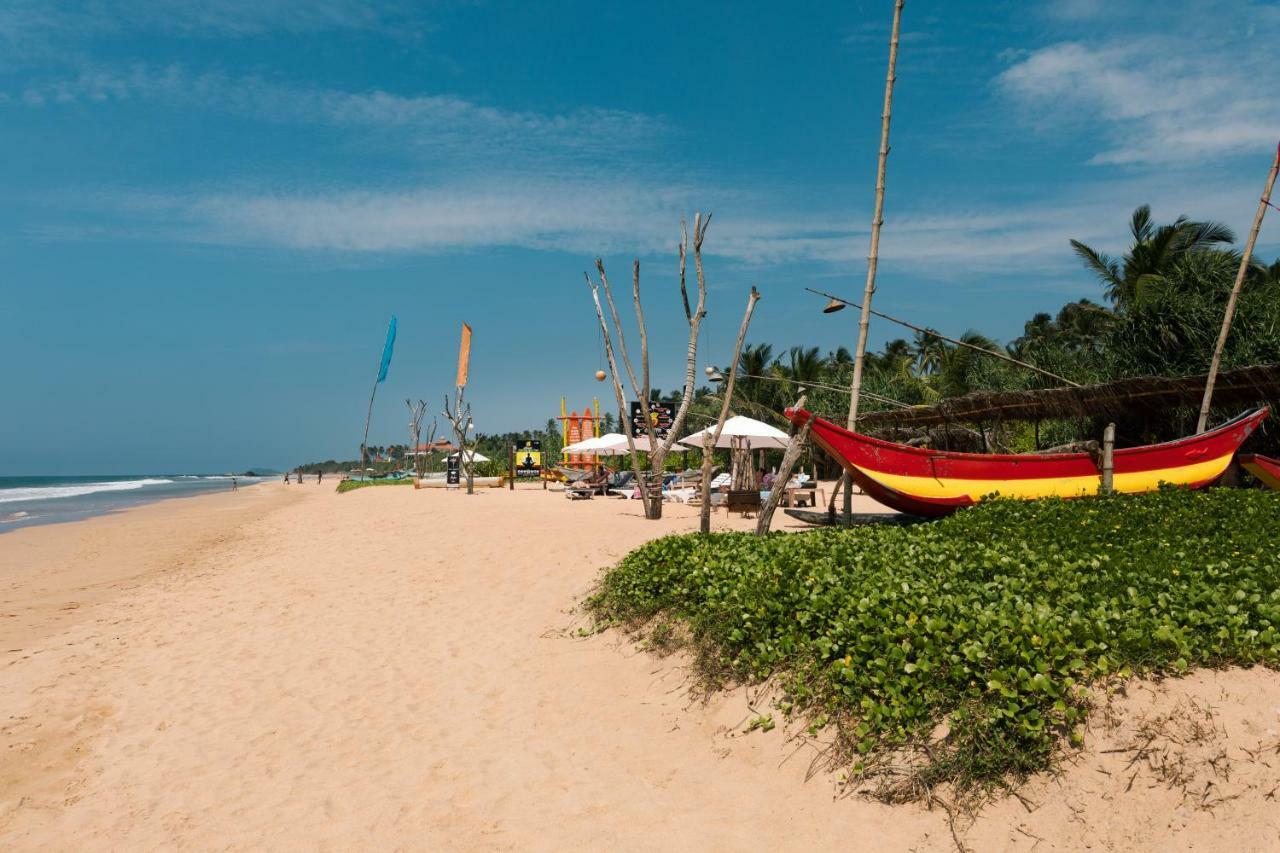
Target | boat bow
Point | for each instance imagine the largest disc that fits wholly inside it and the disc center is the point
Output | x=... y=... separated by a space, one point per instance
x=932 y=482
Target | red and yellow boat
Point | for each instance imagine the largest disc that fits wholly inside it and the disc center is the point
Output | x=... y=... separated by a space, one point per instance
x=934 y=483
x=1264 y=468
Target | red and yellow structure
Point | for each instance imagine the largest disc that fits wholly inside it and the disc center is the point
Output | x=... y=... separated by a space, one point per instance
x=932 y=483
x=579 y=427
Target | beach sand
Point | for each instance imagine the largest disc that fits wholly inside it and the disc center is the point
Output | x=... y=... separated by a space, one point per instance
x=289 y=668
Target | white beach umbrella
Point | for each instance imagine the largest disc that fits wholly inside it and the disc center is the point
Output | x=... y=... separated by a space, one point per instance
x=761 y=435
x=617 y=442
x=609 y=444
x=587 y=445
x=472 y=456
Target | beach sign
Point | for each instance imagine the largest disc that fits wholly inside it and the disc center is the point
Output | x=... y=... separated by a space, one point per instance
x=661 y=415
x=453 y=476
x=528 y=458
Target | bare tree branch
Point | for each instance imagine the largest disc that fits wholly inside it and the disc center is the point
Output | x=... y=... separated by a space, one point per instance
x=619 y=394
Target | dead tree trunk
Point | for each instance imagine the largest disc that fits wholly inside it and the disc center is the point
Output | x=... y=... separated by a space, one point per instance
x=708 y=446
x=460 y=417
x=799 y=435
x=640 y=387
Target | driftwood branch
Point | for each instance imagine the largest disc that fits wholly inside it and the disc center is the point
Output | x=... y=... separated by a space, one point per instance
x=799 y=435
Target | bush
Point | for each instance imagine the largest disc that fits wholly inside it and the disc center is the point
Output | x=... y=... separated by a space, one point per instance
x=992 y=621
x=352 y=484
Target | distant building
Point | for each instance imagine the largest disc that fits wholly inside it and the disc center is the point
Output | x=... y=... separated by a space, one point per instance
x=439 y=446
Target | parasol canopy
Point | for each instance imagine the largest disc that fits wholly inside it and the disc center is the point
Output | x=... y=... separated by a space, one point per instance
x=760 y=434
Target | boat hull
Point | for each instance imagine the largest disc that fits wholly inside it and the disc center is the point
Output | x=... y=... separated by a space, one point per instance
x=934 y=483
x=1264 y=468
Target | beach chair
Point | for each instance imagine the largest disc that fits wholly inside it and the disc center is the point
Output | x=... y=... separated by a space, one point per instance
x=621 y=486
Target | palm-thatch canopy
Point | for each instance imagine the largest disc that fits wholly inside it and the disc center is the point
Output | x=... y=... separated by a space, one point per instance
x=1239 y=388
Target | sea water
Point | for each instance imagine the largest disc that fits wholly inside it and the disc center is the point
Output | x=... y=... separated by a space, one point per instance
x=47 y=500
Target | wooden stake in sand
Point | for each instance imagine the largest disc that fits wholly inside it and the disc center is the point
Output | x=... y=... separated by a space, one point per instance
x=1245 y=260
x=877 y=219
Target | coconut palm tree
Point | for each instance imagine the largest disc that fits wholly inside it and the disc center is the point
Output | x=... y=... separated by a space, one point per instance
x=1154 y=250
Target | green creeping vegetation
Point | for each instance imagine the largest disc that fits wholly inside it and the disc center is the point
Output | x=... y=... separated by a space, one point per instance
x=352 y=485
x=987 y=626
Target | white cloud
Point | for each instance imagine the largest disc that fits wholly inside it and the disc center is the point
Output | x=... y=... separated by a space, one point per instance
x=1153 y=100
x=435 y=119
x=23 y=20
x=605 y=214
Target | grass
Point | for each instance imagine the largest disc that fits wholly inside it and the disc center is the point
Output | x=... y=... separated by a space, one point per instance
x=963 y=651
x=352 y=485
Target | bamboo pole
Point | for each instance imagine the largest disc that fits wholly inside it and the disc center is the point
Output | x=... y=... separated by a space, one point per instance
x=873 y=256
x=1263 y=203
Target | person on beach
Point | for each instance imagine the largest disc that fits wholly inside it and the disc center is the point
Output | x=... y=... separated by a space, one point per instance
x=234 y=484
x=319 y=477
x=286 y=478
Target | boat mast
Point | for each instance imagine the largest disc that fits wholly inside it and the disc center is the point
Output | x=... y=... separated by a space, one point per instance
x=1245 y=260
x=873 y=255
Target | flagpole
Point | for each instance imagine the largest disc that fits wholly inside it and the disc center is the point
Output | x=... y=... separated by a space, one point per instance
x=364 y=444
x=383 y=363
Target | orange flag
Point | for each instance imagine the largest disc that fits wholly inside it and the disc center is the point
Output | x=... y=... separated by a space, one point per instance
x=464 y=356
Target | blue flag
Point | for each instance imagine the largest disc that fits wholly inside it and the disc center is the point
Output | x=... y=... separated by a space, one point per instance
x=386 y=349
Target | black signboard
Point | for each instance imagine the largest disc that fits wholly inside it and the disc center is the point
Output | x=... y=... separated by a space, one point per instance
x=661 y=414
x=454 y=476
x=528 y=455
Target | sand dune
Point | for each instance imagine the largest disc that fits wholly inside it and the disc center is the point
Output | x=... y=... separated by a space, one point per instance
x=392 y=669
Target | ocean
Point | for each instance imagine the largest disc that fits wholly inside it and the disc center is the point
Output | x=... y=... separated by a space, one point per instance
x=48 y=500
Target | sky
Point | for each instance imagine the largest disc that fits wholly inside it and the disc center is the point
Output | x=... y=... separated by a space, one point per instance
x=209 y=212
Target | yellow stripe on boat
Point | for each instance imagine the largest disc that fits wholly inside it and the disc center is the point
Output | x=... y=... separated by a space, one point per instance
x=1062 y=487
x=1271 y=481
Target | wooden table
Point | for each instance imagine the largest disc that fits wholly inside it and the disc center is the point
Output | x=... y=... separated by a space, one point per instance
x=790 y=494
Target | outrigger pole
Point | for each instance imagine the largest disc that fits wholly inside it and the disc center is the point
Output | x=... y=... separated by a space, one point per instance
x=873 y=255
x=1245 y=260
x=935 y=333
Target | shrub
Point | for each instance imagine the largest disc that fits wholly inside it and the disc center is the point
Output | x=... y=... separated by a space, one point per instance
x=990 y=623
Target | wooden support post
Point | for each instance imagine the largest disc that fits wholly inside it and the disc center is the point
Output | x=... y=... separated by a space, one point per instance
x=1108 y=458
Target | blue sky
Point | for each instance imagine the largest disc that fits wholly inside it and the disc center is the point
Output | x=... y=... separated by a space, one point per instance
x=210 y=210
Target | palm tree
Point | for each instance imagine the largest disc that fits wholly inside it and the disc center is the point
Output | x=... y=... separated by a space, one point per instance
x=1154 y=251
x=927 y=351
x=804 y=365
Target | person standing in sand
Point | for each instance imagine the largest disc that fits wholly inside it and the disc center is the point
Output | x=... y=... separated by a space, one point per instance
x=286 y=478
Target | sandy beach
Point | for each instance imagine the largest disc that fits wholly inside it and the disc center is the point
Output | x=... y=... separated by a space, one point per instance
x=290 y=668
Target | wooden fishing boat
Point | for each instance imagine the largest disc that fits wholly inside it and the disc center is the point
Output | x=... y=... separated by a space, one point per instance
x=934 y=483
x=1264 y=468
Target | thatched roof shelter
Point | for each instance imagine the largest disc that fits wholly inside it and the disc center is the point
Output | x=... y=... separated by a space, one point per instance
x=1239 y=388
